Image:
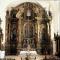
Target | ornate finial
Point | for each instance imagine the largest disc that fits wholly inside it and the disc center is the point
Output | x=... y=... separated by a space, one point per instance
x=49 y=12
x=0 y=25
x=0 y=22
x=57 y=33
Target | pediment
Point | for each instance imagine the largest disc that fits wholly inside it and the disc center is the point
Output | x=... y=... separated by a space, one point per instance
x=36 y=8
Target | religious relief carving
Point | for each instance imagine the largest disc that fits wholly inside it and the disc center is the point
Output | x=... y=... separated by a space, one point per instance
x=13 y=41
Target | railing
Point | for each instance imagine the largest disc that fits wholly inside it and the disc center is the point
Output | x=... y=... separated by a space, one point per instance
x=33 y=59
x=8 y=59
